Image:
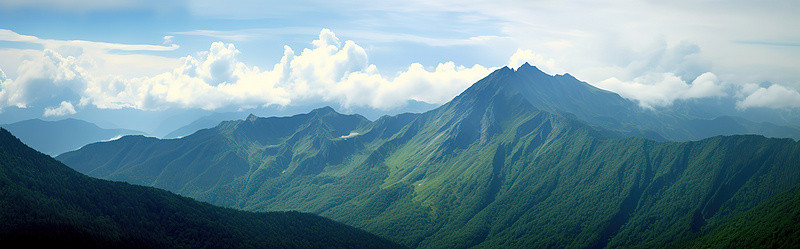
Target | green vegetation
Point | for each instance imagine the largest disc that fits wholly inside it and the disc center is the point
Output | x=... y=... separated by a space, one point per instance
x=775 y=223
x=45 y=203
x=497 y=167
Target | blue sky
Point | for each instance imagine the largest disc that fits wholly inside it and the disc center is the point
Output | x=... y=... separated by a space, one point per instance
x=62 y=57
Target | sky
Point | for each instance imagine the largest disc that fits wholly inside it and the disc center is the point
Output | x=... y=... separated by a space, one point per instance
x=61 y=58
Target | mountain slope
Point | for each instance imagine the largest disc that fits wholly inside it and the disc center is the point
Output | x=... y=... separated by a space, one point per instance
x=47 y=204
x=771 y=224
x=488 y=169
x=568 y=95
x=56 y=137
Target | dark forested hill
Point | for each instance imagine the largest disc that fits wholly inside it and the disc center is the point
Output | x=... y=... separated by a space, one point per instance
x=56 y=137
x=45 y=203
x=496 y=167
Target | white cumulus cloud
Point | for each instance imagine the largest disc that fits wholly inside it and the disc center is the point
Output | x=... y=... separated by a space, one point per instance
x=330 y=71
x=47 y=79
x=65 y=108
x=521 y=56
x=662 y=89
x=774 y=96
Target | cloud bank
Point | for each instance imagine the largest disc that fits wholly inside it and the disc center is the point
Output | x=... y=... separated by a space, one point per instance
x=331 y=70
x=661 y=89
x=774 y=96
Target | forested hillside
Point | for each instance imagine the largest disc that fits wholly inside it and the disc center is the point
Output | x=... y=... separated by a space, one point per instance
x=45 y=203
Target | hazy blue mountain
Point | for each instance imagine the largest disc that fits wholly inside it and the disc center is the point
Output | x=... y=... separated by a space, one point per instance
x=212 y=120
x=46 y=204
x=159 y=123
x=410 y=106
x=56 y=137
x=203 y=123
x=496 y=167
x=709 y=108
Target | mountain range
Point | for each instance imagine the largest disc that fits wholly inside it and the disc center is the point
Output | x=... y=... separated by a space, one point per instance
x=56 y=137
x=521 y=159
x=204 y=122
x=47 y=204
x=211 y=120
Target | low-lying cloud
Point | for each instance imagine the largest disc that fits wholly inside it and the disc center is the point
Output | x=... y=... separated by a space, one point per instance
x=662 y=89
x=774 y=96
x=63 y=109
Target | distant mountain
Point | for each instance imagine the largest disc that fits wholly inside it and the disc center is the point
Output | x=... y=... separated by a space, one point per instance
x=203 y=123
x=496 y=167
x=56 y=137
x=212 y=120
x=710 y=108
x=569 y=96
x=47 y=204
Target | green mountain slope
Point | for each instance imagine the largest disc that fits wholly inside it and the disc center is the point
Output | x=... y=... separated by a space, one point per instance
x=56 y=137
x=775 y=223
x=489 y=169
x=45 y=203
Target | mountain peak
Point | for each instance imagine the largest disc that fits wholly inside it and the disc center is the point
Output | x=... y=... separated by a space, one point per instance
x=528 y=68
x=324 y=111
x=251 y=117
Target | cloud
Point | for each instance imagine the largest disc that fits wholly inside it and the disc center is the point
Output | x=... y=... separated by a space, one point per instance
x=329 y=71
x=168 y=40
x=239 y=35
x=372 y=36
x=369 y=36
x=8 y=35
x=774 y=96
x=585 y=38
x=416 y=83
x=661 y=89
x=99 y=58
x=522 y=56
x=46 y=80
x=65 y=108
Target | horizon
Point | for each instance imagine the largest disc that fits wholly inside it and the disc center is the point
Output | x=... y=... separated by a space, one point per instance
x=121 y=63
x=369 y=114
